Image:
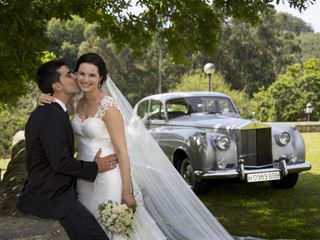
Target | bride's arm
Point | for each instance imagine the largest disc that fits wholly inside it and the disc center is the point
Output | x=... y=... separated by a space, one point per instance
x=45 y=98
x=48 y=99
x=115 y=125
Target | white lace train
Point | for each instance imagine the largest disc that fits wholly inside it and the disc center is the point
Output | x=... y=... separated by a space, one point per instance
x=168 y=199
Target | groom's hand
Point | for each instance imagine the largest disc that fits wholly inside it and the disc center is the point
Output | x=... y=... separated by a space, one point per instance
x=105 y=163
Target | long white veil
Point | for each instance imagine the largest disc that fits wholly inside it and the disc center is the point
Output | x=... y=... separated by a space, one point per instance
x=177 y=211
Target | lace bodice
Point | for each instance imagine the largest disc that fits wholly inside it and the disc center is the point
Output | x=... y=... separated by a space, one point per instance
x=105 y=103
x=92 y=133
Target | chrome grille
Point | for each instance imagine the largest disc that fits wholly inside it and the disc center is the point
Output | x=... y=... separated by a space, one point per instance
x=255 y=147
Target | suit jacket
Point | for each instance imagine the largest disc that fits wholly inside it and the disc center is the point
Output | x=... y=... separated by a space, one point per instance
x=50 y=189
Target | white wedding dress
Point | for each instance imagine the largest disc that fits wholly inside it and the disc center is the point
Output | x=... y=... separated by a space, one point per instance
x=166 y=206
x=90 y=135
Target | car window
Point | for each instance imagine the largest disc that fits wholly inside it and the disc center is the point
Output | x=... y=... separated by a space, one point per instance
x=177 y=107
x=224 y=106
x=209 y=105
x=156 y=110
x=143 y=109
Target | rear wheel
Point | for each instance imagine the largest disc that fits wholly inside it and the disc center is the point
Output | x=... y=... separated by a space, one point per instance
x=286 y=182
x=187 y=172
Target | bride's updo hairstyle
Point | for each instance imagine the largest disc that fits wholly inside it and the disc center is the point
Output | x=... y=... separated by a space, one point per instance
x=95 y=59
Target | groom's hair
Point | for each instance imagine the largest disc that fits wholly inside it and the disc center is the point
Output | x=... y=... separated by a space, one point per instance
x=48 y=74
x=96 y=60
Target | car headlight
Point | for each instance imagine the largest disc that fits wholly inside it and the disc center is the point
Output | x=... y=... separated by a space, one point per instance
x=283 y=138
x=222 y=142
x=200 y=138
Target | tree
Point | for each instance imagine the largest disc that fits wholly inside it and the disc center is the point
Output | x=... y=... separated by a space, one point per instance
x=135 y=76
x=310 y=47
x=13 y=118
x=184 y=25
x=65 y=37
x=286 y=98
x=290 y=23
x=245 y=57
x=250 y=57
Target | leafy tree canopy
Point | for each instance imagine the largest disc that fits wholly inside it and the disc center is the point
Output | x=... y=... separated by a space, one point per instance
x=137 y=77
x=286 y=98
x=310 y=45
x=184 y=25
x=288 y=22
x=250 y=57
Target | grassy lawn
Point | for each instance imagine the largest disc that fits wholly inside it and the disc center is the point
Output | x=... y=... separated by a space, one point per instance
x=257 y=210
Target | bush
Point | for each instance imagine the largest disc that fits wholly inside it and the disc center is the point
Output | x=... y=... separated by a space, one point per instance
x=286 y=99
x=13 y=119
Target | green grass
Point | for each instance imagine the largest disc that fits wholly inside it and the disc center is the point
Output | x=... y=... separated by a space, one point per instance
x=257 y=210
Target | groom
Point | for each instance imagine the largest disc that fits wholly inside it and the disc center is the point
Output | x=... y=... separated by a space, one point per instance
x=50 y=190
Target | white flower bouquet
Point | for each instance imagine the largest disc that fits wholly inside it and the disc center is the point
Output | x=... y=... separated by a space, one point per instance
x=117 y=218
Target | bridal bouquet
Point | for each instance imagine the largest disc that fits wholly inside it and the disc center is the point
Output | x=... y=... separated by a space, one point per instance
x=117 y=218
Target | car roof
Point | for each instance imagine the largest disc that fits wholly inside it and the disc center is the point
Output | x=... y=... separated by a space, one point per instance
x=172 y=95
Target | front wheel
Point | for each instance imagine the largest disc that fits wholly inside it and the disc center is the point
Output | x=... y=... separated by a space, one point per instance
x=187 y=172
x=286 y=182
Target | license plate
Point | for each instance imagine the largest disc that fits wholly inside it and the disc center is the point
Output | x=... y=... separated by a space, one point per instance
x=261 y=177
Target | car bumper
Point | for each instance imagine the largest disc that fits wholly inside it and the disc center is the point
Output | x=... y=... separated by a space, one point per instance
x=238 y=173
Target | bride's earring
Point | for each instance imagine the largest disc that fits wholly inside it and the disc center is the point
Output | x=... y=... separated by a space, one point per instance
x=100 y=83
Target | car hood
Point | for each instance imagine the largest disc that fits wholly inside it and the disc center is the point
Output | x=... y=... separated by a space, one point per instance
x=216 y=121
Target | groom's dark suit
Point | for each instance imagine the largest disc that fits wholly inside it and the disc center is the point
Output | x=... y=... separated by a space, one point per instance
x=50 y=190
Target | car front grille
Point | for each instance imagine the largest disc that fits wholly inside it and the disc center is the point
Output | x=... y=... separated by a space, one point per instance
x=255 y=147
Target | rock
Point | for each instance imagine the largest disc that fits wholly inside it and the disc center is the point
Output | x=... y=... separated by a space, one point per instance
x=13 y=179
x=19 y=136
x=18 y=228
x=13 y=224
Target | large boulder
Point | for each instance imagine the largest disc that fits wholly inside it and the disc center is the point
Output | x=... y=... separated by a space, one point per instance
x=14 y=177
x=14 y=224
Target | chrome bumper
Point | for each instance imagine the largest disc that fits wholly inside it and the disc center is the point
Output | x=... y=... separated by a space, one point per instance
x=241 y=172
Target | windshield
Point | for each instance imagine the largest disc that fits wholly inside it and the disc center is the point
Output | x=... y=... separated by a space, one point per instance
x=183 y=106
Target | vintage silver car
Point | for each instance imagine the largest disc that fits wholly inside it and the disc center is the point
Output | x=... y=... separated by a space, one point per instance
x=204 y=136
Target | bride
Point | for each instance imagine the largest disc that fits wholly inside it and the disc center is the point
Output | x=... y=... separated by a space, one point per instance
x=166 y=206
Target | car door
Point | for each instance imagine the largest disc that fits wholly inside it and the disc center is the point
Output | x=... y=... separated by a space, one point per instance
x=156 y=119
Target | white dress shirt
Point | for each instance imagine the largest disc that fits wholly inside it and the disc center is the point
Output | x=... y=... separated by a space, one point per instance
x=61 y=104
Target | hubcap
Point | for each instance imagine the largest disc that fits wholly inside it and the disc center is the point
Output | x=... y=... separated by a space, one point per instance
x=187 y=173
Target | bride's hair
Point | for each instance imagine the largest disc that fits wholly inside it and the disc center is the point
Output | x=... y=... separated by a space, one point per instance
x=96 y=60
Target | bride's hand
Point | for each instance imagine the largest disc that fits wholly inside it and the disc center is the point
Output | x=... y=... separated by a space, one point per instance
x=45 y=99
x=128 y=198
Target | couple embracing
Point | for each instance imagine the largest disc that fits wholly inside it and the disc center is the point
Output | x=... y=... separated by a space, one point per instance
x=70 y=190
